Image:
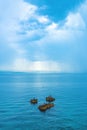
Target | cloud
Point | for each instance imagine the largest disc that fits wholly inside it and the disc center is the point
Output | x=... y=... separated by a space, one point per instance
x=65 y=41
x=18 y=19
x=40 y=66
x=75 y=22
x=66 y=31
x=35 y=41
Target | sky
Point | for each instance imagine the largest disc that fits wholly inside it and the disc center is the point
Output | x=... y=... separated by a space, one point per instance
x=43 y=35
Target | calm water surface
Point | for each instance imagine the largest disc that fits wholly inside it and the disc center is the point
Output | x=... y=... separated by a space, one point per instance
x=69 y=112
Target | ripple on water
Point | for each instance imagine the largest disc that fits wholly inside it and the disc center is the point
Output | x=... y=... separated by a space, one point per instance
x=69 y=112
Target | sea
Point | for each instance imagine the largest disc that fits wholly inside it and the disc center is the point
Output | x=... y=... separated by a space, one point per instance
x=70 y=105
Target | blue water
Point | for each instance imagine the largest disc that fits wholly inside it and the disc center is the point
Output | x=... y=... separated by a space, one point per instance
x=69 y=112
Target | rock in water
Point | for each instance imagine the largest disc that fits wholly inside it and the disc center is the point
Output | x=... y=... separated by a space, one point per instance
x=34 y=101
x=46 y=106
x=50 y=99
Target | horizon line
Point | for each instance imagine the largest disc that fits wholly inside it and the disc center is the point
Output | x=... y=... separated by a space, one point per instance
x=42 y=72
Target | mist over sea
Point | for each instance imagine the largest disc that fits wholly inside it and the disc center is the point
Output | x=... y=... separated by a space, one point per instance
x=69 y=90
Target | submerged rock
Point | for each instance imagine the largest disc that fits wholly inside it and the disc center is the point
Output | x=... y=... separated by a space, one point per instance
x=46 y=106
x=34 y=101
x=50 y=99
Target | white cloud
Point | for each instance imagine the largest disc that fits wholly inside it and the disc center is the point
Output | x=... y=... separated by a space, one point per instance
x=12 y=13
x=82 y=10
x=75 y=21
x=17 y=12
x=20 y=22
x=43 y=19
x=70 y=30
x=41 y=66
